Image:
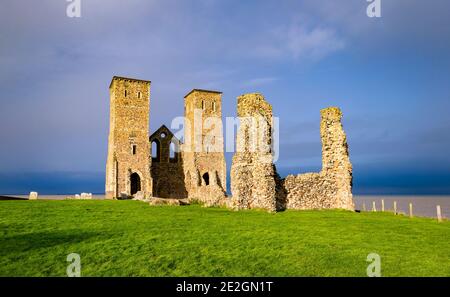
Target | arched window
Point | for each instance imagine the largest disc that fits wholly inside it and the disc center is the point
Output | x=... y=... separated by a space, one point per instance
x=206 y=178
x=203 y=104
x=139 y=95
x=155 y=150
x=172 y=153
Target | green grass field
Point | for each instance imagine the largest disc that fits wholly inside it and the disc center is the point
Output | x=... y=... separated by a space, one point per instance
x=130 y=238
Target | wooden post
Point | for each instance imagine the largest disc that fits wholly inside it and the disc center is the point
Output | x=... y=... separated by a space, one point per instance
x=439 y=214
x=382 y=204
x=410 y=210
x=374 y=208
x=395 y=207
x=364 y=206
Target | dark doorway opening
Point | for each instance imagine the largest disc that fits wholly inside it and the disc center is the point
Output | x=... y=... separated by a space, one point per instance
x=206 y=178
x=135 y=183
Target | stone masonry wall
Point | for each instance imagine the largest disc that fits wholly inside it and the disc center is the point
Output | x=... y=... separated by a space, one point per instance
x=331 y=188
x=204 y=165
x=167 y=169
x=198 y=169
x=128 y=144
x=253 y=175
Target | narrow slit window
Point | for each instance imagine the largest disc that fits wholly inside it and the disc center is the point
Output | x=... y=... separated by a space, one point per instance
x=134 y=149
x=203 y=104
x=139 y=95
x=125 y=93
x=155 y=150
x=214 y=106
x=172 y=151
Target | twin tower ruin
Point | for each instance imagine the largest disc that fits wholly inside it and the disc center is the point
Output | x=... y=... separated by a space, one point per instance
x=159 y=165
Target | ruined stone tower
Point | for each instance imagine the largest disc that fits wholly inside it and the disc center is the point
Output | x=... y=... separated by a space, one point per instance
x=128 y=162
x=331 y=187
x=196 y=168
x=203 y=151
x=253 y=174
x=335 y=158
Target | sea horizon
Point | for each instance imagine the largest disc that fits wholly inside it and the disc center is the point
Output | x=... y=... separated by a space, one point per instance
x=423 y=205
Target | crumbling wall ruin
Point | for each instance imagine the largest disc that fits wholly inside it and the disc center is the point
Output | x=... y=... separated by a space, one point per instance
x=253 y=174
x=167 y=165
x=198 y=171
x=332 y=187
x=208 y=193
x=254 y=179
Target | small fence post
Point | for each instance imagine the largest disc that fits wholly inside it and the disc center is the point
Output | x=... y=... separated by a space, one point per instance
x=382 y=205
x=395 y=207
x=410 y=210
x=439 y=214
x=374 y=208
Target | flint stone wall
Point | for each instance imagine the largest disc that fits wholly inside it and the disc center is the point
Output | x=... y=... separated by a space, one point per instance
x=204 y=166
x=209 y=195
x=253 y=174
x=332 y=187
x=128 y=142
x=166 y=169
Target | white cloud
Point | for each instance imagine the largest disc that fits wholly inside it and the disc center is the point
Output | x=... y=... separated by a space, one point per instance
x=316 y=43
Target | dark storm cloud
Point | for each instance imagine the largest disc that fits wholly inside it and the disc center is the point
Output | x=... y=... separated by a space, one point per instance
x=389 y=75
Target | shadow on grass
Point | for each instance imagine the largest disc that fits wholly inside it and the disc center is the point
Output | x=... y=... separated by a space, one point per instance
x=38 y=240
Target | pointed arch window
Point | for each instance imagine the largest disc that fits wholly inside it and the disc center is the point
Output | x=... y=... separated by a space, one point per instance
x=173 y=152
x=156 y=151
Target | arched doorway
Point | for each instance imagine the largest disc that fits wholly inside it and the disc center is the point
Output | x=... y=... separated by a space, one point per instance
x=206 y=178
x=135 y=182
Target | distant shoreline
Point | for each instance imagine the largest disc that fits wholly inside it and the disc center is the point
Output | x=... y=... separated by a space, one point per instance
x=423 y=205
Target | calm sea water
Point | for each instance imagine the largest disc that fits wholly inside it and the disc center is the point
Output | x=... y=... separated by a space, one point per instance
x=423 y=206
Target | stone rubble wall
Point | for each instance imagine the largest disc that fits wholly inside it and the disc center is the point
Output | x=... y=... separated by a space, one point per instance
x=200 y=175
x=255 y=182
x=167 y=173
x=253 y=175
x=332 y=187
x=209 y=196
x=310 y=191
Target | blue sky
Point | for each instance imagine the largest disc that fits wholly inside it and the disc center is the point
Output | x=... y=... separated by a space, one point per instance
x=389 y=75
